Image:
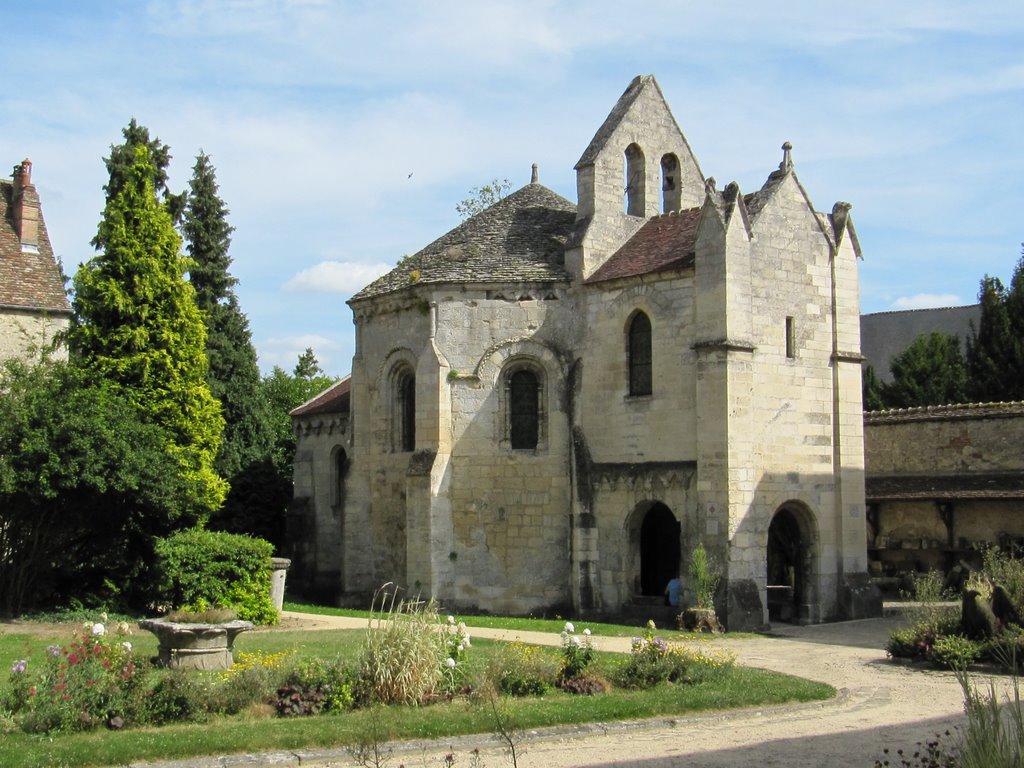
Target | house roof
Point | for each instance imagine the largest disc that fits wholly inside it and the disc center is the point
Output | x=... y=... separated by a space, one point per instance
x=30 y=278
x=954 y=412
x=951 y=487
x=334 y=399
x=662 y=243
x=884 y=335
x=521 y=238
x=615 y=117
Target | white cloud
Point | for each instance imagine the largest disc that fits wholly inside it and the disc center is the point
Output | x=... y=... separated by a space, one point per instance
x=927 y=301
x=284 y=351
x=340 y=277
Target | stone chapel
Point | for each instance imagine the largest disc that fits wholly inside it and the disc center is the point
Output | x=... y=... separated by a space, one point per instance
x=552 y=404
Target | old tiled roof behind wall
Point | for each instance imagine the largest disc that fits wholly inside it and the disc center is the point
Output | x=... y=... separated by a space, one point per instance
x=520 y=238
x=334 y=399
x=30 y=278
x=987 y=485
x=946 y=413
x=662 y=243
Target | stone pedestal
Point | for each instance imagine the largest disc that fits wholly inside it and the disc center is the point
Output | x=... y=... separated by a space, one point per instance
x=278 y=571
x=208 y=647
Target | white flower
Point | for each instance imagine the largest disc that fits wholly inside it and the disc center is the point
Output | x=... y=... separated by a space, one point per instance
x=451 y=619
x=574 y=640
x=451 y=663
x=465 y=641
x=586 y=632
x=569 y=627
x=103 y=617
x=564 y=635
x=462 y=627
x=127 y=646
x=460 y=648
x=99 y=630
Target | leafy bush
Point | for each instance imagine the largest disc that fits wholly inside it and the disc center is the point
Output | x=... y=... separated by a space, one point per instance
x=705 y=575
x=522 y=670
x=652 y=661
x=404 y=653
x=999 y=567
x=177 y=697
x=954 y=652
x=315 y=685
x=92 y=681
x=203 y=569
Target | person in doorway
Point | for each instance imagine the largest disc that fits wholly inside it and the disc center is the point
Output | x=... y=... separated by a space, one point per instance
x=672 y=592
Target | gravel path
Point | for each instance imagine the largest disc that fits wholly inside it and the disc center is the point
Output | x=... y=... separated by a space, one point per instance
x=880 y=704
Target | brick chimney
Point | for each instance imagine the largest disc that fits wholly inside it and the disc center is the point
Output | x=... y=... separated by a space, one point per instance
x=25 y=207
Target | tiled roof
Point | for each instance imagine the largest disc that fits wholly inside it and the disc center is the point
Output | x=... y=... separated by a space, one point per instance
x=520 y=238
x=946 y=413
x=664 y=242
x=334 y=399
x=28 y=279
x=992 y=485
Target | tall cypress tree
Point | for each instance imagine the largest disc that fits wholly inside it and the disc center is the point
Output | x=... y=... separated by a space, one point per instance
x=233 y=374
x=137 y=325
x=995 y=348
x=931 y=371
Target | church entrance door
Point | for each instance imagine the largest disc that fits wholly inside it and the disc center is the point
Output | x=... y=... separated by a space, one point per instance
x=659 y=549
x=788 y=565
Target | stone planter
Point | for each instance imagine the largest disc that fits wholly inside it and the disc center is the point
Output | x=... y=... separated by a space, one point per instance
x=196 y=646
x=699 y=620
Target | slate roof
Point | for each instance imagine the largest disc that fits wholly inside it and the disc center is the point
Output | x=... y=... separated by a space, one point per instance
x=946 y=413
x=990 y=485
x=662 y=243
x=619 y=111
x=334 y=399
x=883 y=335
x=29 y=279
x=521 y=238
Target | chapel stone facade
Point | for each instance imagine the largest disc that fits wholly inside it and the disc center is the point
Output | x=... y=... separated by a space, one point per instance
x=552 y=404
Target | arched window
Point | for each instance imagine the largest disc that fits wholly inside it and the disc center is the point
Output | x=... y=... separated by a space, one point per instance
x=339 y=468
x=635 y=181
x=405 y=411
x=670 y=186
x=639 y=355
x=524 y=409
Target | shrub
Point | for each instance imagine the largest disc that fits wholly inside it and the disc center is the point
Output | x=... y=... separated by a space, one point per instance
x=577 y=653
x=177 y=697
x=652 y=661
x=92 y=681
x=316 y=685
x=202 y=569
x=522 y=670
x=404 y=653
x=1002 y=568
x=954 y=652
x=456 y=645
x=705 y=575
x=253 y=679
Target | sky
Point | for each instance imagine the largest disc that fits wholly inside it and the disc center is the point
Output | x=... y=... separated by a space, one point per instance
x=344 y=133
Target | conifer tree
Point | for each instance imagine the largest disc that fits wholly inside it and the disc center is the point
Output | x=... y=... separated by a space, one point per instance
x=233 y=373
x=931 y=371
x=137 y=325
x=995 y=348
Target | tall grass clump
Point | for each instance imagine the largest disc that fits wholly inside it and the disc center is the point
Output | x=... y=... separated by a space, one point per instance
x=404 y=652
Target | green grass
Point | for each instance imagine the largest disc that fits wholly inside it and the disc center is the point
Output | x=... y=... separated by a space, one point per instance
x=514 y=623
x=736 y=687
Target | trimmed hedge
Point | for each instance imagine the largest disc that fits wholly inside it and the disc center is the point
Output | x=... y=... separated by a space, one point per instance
x=198 y=569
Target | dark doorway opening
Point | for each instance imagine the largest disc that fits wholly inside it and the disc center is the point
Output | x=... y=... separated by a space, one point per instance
x=787 y=575
x=659 y=549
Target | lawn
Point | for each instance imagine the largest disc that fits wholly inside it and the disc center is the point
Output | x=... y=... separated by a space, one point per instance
x=259 y=730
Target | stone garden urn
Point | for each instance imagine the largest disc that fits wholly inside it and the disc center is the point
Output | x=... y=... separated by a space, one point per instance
x=185 y=645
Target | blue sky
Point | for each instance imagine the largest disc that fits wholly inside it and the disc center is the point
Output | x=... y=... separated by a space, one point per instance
x=315 y=113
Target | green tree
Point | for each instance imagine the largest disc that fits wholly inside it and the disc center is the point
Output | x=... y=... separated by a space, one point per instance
x=482 y=198
x=122 y=158
x=85 y=488
x=260 y=495
x=233 y=374
x=137 y=325
x=995 y=348
x=931 y=371
x=872 y=390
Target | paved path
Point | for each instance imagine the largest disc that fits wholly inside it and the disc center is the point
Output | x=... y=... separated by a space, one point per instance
x=880 y=705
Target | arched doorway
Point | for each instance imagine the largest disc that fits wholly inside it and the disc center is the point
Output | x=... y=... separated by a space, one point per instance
x=788 y=567
x=659 y=549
